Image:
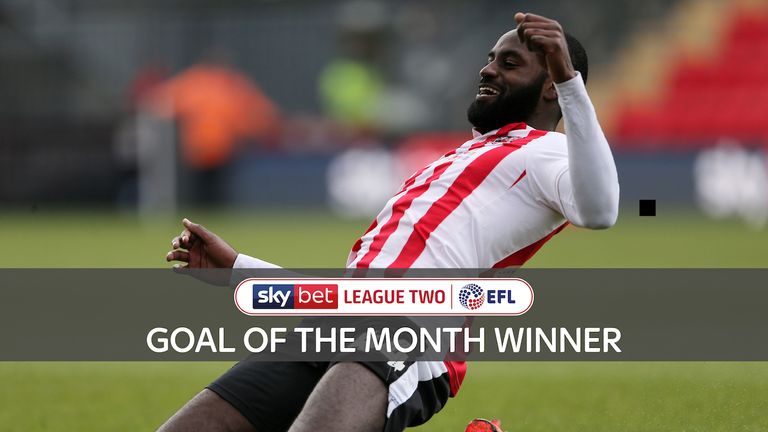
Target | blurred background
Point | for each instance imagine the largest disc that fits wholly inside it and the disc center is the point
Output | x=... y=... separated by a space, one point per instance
x=284 y=125
x=152 y=106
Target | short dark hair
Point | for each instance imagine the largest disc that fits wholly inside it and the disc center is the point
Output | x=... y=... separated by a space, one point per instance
x=578 y=56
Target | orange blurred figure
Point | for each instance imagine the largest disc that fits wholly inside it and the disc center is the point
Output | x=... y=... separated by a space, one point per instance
x=217 y=108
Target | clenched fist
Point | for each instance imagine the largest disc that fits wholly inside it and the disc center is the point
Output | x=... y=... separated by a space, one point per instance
x=545 y=37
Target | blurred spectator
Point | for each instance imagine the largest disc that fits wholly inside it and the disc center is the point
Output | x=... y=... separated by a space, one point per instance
x=351 y=91
x=360 y=93
x=218 y=109
x=351 y=85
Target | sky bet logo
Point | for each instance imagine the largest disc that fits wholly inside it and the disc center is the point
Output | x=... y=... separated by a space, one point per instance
x=304 y=296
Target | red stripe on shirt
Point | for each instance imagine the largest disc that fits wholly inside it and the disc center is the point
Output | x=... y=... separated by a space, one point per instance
x=412 y=180
x=520 y=257
x=359 y=242
x=398 y=211
x=469 y=179
x=518 y=179
x=456 y=372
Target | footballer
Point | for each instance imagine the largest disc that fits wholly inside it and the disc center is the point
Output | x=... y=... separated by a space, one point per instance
x=490 y=203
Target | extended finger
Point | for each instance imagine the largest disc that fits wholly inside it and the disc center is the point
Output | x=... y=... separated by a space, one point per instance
x=184 y=240
x=187 y=239
x=177 y=255
x=530 y=17
x=179 y=243
x=197 y=230
x=524 y=29
x=550 y=34
x=538 y=25
x=519 y=18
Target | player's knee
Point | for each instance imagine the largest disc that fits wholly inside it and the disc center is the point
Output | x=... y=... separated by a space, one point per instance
x=207 y=411
x=349 y=397
x=364 y=379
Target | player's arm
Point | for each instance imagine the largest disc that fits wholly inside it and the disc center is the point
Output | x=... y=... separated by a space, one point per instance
x=199 y=248
x=587 y=190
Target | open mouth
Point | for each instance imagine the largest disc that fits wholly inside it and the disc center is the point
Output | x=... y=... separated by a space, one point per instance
x=485 y=90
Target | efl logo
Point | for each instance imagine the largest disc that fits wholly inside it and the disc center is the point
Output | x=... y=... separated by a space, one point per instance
x=300 y=296
x=471 y=296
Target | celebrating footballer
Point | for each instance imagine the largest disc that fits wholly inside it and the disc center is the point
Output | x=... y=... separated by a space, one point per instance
x=490 y=203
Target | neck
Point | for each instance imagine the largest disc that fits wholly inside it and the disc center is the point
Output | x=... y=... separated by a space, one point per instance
x=542 y=122
x=537 y=120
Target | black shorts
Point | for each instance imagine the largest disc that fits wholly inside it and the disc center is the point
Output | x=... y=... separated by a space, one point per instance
x=271 y=394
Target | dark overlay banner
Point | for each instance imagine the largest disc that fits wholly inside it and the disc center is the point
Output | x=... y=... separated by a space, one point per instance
x=335 y=315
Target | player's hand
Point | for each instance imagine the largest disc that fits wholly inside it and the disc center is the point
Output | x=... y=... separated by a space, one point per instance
x=546 y=38
x=199 y=248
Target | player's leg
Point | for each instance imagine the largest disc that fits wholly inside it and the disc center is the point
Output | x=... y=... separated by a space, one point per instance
x=375 y=396
x=252 y=395
x=207 y=412
x=349 y=397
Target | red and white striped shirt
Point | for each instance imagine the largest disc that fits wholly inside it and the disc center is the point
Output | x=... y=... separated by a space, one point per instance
x=492 y=202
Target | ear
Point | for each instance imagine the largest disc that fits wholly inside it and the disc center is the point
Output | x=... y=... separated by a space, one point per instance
x=550 y=93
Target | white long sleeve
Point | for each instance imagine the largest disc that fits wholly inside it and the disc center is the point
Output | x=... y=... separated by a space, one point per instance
x=589 y=188
x=248 y=262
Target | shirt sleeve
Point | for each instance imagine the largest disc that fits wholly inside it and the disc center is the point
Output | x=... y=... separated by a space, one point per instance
x=248 y=262
x=586 y=188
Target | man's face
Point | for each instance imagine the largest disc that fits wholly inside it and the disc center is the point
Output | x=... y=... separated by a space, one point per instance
x=510 y=85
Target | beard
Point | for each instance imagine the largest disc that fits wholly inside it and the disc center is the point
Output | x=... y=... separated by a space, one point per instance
x=510 y=106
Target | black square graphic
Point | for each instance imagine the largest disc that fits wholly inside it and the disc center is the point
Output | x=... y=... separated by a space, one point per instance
x=647 y=207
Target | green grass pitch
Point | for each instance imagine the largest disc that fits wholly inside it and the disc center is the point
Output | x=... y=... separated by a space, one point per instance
x=531 y=397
